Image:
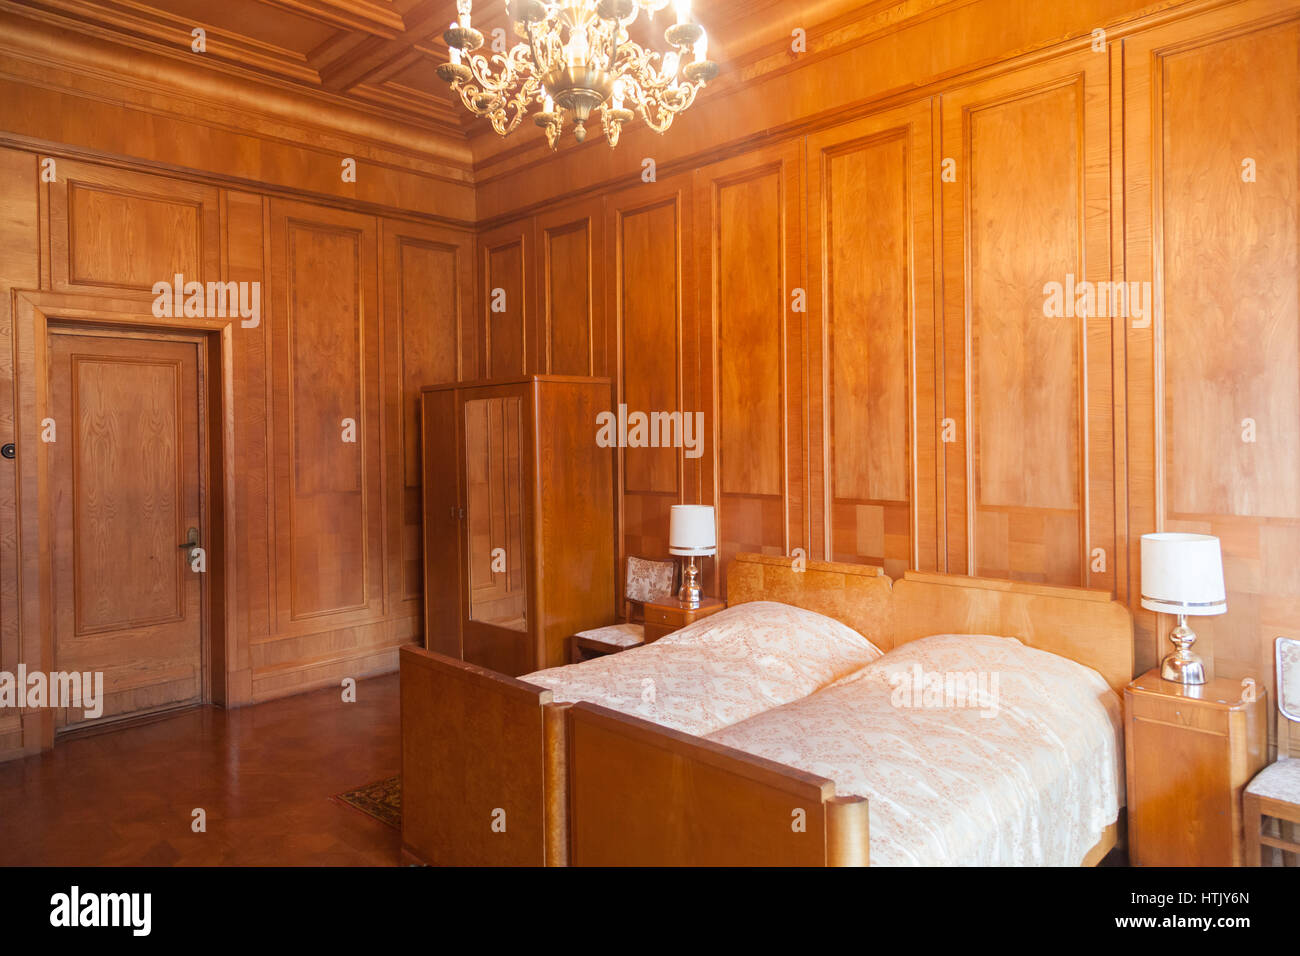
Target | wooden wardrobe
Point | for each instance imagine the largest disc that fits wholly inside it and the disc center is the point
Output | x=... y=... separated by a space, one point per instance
x=518 y=518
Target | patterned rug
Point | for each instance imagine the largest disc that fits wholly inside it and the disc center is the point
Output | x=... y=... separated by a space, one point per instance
x=381 y=800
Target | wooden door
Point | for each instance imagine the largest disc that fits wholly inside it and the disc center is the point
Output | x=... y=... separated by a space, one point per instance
x=442 y=524
x=1027 y=420
x=125 y=478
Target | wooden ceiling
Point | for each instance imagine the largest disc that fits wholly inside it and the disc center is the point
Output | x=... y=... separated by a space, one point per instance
x=381 y=55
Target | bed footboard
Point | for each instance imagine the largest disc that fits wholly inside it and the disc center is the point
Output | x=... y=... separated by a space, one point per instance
x=483 y=769
x=643 y=795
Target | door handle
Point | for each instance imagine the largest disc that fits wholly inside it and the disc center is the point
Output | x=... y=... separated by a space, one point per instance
x=192 y=535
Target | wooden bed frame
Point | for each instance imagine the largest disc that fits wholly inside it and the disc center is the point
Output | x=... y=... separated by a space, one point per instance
x=640 y=794
x=483 y=766
x=490 y=763
x=478 y=746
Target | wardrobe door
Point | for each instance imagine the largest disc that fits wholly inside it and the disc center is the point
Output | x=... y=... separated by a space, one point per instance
x=1027 y=421
x=496 y=455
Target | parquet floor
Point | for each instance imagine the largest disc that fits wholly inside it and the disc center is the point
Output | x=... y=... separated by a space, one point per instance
x=263 y=774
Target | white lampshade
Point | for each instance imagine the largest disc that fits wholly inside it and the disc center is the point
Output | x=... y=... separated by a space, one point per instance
x=691 y=530
x=1182 y=574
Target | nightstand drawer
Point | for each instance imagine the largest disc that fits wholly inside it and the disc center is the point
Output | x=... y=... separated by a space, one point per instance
x=668 y=617
x=664 y=618
x=1180 y=713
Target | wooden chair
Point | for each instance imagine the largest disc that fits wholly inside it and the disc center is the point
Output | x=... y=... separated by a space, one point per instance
x=1275 y=791
x=645 y=580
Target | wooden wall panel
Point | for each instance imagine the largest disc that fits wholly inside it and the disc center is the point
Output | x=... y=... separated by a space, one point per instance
x=506 y=261
x=1030 y=475
x=648 y=228
x=329 y=506
x=1215 y=377
x=872 y=345
x=429 y=338
x=750 y=262
x=246 y=258
x=571 y=290
x=119 y=231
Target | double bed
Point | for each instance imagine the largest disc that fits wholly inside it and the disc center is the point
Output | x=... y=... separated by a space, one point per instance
x=780 y=737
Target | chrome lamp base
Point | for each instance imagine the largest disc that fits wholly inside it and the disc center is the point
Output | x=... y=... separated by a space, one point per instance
x=1182 y=666
x=690 y=593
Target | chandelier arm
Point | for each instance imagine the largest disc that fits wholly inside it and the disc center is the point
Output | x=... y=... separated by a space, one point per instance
x=532 y=47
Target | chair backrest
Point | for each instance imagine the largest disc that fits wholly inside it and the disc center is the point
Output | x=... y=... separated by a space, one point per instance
x=1288 y=691
x=648 y=580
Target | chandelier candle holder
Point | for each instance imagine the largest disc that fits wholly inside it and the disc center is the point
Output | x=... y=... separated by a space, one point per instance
x=578 y=58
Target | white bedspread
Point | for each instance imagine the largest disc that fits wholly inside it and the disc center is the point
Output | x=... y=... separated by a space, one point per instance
x=719 y=670
x=1028 y=774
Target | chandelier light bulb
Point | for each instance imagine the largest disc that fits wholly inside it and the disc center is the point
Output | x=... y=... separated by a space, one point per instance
x=683 y=11
x=455 y=53
x=702 y=48
x=578 y=48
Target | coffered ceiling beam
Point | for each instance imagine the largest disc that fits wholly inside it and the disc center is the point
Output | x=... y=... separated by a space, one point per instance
x=377 y=19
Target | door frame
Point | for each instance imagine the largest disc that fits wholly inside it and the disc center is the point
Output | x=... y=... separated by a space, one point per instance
x=34 y=313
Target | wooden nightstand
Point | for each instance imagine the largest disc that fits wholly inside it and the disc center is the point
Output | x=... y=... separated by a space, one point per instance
x=665 y=617
x=1190 y=751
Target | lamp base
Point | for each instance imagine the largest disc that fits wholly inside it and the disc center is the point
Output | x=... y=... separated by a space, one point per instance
x=690 y=593
x=1182 y=666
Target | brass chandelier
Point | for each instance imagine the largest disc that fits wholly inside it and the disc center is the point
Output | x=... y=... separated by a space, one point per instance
x=578 y=57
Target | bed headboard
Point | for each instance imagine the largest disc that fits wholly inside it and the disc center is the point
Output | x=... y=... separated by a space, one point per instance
x=1084 y=625
x=853 y=594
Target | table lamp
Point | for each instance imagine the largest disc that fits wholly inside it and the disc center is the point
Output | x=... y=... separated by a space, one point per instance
x=1183 y=574
x=691 y=533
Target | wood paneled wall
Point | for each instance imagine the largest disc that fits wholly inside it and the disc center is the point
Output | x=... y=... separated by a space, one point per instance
x=1212 y=179
x=859 y=310
x=841 y=265
x=358 y=312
